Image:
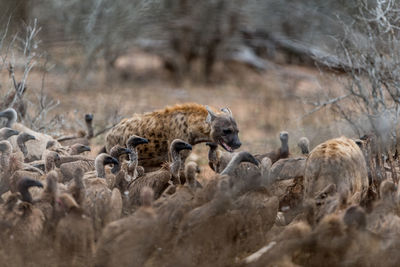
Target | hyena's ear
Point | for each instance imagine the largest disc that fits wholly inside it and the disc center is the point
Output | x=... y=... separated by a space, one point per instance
x=359 y=143
x=211 y=115
x=227 y=111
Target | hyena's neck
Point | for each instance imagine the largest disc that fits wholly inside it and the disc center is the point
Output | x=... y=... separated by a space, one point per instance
x=190 y=127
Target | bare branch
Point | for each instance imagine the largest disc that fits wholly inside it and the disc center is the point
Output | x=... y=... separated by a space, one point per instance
x=324 y=104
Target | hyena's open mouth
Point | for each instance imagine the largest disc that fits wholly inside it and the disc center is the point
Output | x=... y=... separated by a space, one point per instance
x=225 y=146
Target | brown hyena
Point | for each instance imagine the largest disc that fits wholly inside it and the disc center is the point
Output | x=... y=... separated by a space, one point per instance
x=192 y=123
x=340 y=162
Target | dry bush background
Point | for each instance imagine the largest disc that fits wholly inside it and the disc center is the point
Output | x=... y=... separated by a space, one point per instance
x=279 y=65
x=314 y=68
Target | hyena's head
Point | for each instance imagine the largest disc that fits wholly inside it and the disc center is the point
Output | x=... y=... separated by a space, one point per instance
x=224 y=130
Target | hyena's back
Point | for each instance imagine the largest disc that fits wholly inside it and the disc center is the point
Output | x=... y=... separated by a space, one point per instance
x=144 y=126
x=337 y=161
x=161 y=127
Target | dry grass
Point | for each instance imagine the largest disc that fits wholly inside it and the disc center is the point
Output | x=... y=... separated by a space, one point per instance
x=262 y=103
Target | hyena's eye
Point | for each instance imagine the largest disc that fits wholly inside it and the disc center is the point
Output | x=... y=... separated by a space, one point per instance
x=227 y=131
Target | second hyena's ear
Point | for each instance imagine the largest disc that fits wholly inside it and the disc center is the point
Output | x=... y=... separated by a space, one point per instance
x=211 y=115
x=227 y=111
x=359 y=142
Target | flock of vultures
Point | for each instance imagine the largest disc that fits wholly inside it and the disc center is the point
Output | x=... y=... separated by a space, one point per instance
x=140 y=202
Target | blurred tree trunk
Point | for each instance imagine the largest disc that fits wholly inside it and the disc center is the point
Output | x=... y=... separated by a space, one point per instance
x=18 y=10
x=210 y=58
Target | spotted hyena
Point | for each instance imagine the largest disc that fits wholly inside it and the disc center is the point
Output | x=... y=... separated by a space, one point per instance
x=340 y=162
x=192 y=123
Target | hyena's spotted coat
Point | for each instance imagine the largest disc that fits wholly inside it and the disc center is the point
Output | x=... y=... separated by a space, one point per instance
x=192 y=123
x=340 y=162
